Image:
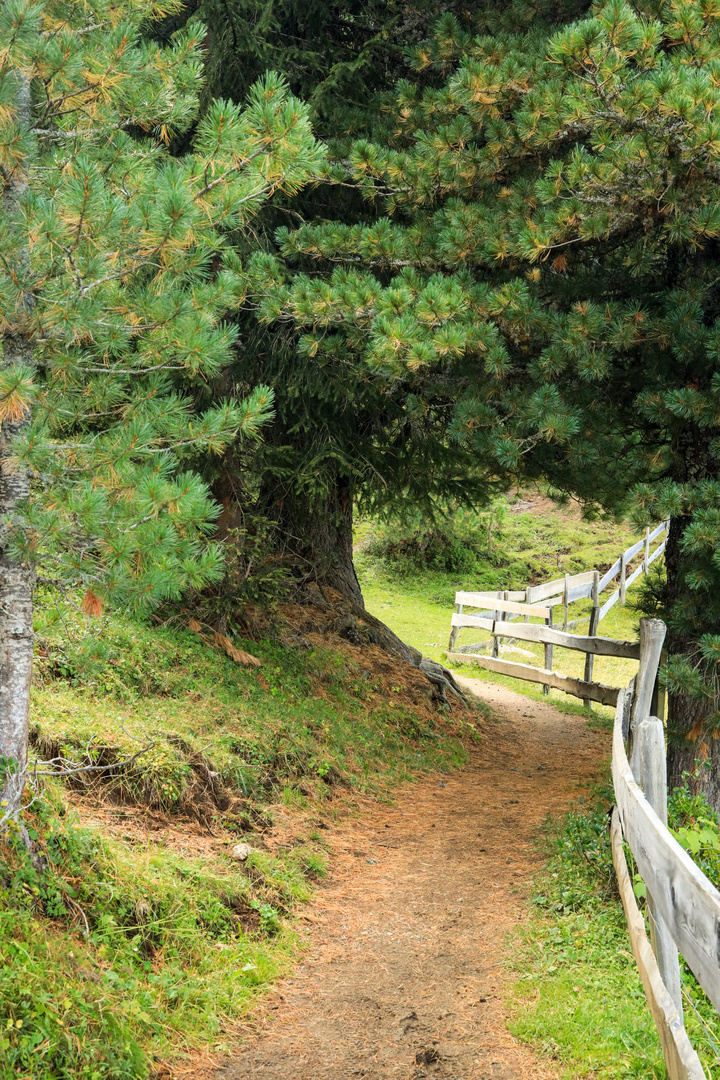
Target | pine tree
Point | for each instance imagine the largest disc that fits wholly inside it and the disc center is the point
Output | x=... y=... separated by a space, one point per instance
x=338 y=437
x=549 y=249
x=115 y=278
x=335 y=54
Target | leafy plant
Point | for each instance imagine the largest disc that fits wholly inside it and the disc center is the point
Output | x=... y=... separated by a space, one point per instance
x=695 y=825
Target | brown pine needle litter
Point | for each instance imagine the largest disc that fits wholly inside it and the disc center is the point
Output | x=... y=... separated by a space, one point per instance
x=224 y=643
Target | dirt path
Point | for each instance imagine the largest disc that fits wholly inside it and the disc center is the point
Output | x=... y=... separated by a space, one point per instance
x=403 y=976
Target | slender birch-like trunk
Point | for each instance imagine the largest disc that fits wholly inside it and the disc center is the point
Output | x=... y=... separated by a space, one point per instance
x=16 y=580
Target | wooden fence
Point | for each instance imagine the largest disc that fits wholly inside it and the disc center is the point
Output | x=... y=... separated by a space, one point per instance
x=500 y=611
x=683 y=906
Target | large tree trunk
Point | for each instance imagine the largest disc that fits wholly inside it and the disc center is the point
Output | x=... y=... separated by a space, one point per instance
x=696 y=757
x=319 y=539
x=16 y=580
x=319 y=542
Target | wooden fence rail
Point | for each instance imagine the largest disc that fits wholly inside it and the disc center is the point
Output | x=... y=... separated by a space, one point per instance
x=592 y=691
x=501 y=611
x=681 y=1060
x=600 y=646
x=687 y=902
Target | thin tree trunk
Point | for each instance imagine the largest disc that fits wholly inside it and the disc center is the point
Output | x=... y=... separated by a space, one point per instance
x=16 y=580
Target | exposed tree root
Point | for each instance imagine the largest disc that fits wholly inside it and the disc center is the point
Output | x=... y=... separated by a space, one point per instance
x=358 y=627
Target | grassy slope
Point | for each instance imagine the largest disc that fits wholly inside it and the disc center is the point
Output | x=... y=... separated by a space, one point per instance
x=145 y=937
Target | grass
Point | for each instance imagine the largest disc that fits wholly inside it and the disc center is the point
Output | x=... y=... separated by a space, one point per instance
x=145 y=937
x=164 y=960
x=578 y=996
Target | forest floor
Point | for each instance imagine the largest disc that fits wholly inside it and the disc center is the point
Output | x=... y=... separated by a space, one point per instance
x=404 y=970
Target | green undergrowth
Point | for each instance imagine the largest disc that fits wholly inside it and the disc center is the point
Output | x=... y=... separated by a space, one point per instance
x=144 y=935
x=578 y=996
x=519 y=538
x=118 y=949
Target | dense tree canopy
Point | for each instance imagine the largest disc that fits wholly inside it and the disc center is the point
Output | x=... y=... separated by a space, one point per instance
x=548 y=251
x=507 y=270
x=340 y=435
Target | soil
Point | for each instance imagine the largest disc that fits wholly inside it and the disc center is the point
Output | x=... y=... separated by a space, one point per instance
x=405 y=971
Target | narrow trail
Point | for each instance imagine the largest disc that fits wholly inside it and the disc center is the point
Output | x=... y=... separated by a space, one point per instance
x=403 y=976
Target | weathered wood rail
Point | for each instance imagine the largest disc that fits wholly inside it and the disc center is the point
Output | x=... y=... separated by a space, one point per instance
x=681 y=1060
x=499 y=613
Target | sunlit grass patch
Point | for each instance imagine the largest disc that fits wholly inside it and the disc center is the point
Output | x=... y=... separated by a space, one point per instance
x=419 y=607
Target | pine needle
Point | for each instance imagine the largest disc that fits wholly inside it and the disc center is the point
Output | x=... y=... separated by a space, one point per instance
x=92 y=605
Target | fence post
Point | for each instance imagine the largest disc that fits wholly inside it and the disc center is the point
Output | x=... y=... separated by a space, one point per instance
x=623 y=570
x=548 y=654
x=592 y=631
x=496 y=640
x=646 y=568
x=650 y=771
x=454 y=629
x=652 y=636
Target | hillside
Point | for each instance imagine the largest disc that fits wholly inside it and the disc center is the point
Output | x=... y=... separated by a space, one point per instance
x=150 y=932
x=409 y=577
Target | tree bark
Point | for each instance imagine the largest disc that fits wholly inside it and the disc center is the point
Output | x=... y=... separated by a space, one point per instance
x=319 y=540
x=685 y=714
x=690 y=750
x=16 y=580
x=698 y=756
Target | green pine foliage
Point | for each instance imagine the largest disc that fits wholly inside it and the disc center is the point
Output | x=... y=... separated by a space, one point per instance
x=540 y=241
x=338 y=435
x=116 y=268
x=336 y=54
